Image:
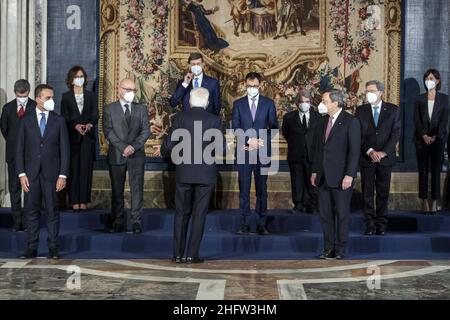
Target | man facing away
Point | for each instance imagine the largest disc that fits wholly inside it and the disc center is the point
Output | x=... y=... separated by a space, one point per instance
x=196 y=176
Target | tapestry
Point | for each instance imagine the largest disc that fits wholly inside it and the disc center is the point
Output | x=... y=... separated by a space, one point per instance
x=294 y=44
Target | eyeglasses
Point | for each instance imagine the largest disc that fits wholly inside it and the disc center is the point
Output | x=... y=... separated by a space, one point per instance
x=129 y=90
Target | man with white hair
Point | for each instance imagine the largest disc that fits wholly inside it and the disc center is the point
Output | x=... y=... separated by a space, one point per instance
x=196 y=175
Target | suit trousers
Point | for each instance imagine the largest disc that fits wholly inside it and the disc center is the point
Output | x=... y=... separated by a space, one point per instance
x=191 y=200
x=15 y=195
x=334 y=210
x=376 y=178
x=245 y=180
x=81 y=166
x=136 y=181
x=302 y=191
x=429 y=159
x=42 y=191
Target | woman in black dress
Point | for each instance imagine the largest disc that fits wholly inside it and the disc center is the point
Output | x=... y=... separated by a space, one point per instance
x=79 y=108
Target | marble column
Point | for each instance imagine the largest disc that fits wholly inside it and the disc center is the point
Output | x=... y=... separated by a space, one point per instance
x=22 y=56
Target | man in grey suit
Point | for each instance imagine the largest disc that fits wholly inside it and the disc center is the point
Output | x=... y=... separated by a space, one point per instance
x=126 y=128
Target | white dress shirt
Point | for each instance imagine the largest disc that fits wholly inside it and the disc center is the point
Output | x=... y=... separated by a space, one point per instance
x=335 y=116
x=430 y=108
x=200 y=79
x=38 y=117
x=250 y=101
x=307 y=114
x=79 y=98
x=23 y=105
x=123 y=103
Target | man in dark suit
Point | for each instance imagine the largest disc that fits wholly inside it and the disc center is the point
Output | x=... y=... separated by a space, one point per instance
x=195 y=178
x=380 y=133
x=298 y=129
x=126 y=128
x=12 y=112
x=256 y=113
x=334 y=171
x=42 y=164
x=196 y=78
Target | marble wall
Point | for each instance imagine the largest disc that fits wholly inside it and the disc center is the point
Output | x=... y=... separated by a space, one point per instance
x=22 y=55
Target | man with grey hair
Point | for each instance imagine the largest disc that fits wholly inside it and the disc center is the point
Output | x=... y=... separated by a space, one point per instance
x=298 y=129
x=334 y=171
x=195 y=180
x=12 y=113
x=381 y=130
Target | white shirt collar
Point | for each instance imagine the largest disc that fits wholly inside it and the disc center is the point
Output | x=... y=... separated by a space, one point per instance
x=123 y=103
x=200 y=79
x=336 y=115
x=378 y=105
x=38 y=112
x=250 y=100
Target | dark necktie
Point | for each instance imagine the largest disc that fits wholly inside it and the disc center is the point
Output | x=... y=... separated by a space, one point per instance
x=21 y=111
x=127 y=114
x=305 y=124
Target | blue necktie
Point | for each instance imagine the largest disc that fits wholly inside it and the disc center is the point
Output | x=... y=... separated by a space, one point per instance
x=376 y=115
x=195 y=83
x=42 y=124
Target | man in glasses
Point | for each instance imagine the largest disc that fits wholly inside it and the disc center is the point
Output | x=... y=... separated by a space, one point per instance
x=126 y=128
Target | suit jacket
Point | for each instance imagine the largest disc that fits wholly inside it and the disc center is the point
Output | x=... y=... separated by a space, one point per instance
x=437 y=125
x=119 y=135
x=9 y=123
x=339 y=156
x=48 y=155
x=69 y=110
x=265 y=118
x=383 y=137
x=181 y=94
x=300 y=141
x=189 y=172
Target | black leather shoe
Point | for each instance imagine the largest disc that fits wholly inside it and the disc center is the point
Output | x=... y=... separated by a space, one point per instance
x=381 y=232
x=117 y=228
x=327 y=255
x=137 y=228
x=29 y=254
x=370 y=231
x=297 y=210
x=194 y=260
x=244 y=229
x=177 y=260
x=309 y=209
x=53 y=254
x=262 y=231
x=340 y=257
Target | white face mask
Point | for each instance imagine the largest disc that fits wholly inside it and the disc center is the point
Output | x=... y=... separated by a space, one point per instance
x=430 y=84
x=22 y=100
x=129 y=96
x=372 y=98
x=78 y=82
x=323 y=109
x=304 y=107
x=252 y=92
x=49 y=105
x=197 y=70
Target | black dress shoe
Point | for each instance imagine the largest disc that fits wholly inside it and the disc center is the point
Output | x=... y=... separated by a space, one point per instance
x=262 y=231
x=244 y=229
x=177 y=260
x=137 y=228
x=381 y=232
x=370 y=231
x=297 y=210
x=194 y=260
x=29 y=254
x=117 y=228
x=53 y=254
x=327 y=255
x=309 y=209
x=340 y=256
